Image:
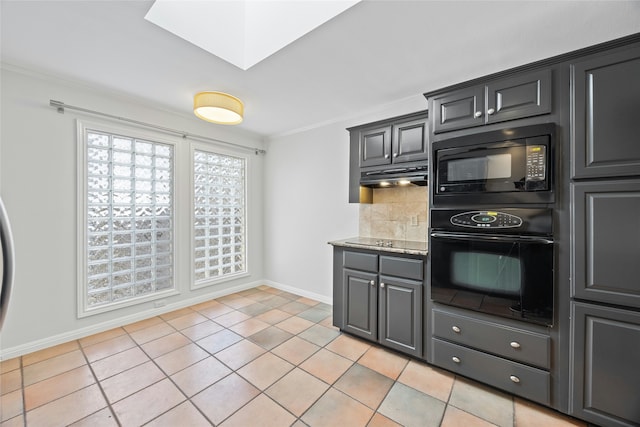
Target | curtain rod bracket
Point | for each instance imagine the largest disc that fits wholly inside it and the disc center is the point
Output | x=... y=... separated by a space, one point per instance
x=59 y=105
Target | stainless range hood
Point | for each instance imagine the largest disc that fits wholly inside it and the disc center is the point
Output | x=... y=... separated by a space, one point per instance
x=417 y=175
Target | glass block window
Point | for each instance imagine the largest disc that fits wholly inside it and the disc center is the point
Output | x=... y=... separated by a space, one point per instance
x=129 y=218
x=219 y=216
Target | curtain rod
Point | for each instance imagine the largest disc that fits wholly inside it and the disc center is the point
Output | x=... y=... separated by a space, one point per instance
x=60 y=106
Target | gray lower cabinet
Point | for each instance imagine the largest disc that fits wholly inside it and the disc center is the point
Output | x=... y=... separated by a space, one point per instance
x=379 y=297
x=400 y=314
x=606 y=370
x=516 y=378
x=493 y=351
x=360 y=299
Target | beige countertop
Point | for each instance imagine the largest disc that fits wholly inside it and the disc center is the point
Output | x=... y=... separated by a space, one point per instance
x=384 y=245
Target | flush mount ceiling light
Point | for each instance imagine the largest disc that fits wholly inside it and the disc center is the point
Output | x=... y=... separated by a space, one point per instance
x=218 y=107
x=243 y=32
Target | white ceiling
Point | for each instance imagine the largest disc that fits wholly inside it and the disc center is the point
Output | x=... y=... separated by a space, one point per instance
x=243 y=32
x=373 y=54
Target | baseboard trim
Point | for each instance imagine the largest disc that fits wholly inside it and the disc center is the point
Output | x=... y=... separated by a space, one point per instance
x=20 y=350
x=298 y=291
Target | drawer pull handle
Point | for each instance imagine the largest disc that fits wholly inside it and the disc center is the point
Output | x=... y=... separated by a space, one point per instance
x=514 y=379
x=515 y=344
x=455 y=359
x=455 y=329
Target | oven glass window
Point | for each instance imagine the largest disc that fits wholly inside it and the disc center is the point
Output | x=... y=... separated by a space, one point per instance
x=493 y=274
x=504 y=278
x=496 y=166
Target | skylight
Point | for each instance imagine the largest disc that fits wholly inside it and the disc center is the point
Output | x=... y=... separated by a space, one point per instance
x=244 y=32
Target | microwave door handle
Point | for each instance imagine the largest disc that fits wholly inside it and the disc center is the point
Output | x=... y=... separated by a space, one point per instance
x=500 y=238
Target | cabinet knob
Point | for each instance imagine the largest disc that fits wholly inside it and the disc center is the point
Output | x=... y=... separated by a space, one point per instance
x=395 y=154
x=456 y=329
x=514 y=344
x=514 y=379
x=478 y=114
x=382 y=284
x=491 y=111
x=455 y=359
x=372 y=282
x=386 y=156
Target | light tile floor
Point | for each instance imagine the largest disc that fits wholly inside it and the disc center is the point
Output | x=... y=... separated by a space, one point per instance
x=261 y=357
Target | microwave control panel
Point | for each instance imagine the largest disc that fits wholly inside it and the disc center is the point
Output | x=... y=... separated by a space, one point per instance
x=486 y=219
x=536 y=162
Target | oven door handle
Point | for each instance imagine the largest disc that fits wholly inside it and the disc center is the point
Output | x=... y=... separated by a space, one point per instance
x=495 y=238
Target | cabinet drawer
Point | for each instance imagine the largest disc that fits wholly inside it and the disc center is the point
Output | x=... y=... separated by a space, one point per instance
x=517 y=344
x=402 y=267
x=360 y=261
x=512 y=377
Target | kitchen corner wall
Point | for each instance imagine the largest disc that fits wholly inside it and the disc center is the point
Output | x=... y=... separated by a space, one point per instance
x=398 y=213
x=306 y=201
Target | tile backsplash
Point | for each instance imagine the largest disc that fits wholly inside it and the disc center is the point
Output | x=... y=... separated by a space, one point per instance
x=399 y=213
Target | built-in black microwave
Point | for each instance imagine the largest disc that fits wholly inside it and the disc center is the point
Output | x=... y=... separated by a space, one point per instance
x=508 y=166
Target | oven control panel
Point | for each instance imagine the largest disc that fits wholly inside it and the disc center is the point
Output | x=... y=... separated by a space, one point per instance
x=486 y=219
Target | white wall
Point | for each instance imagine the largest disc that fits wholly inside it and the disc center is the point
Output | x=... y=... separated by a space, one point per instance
x=306 y=201
x=38 y=186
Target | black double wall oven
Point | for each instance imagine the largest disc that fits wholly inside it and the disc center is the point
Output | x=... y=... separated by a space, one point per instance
x=491 y=240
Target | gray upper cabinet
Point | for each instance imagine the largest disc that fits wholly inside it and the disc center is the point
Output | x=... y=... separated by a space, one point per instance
x=383 y=144
x=410 y=141
x=606 y=351
x=606 y=241
x=606 y=99
x=375 y=146
x=458 y=110
x=401 y=140
x=504 y=99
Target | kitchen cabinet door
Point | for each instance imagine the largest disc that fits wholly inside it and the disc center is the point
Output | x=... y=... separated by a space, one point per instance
x=360 y=303
x=606 y=98
x=519 y=96
x=459 y=109
x=605 y=376
x=606 y=241
x=509 y=98
x=400 y=315
x=410 y=141
x=380 y=145
x=375 y=146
